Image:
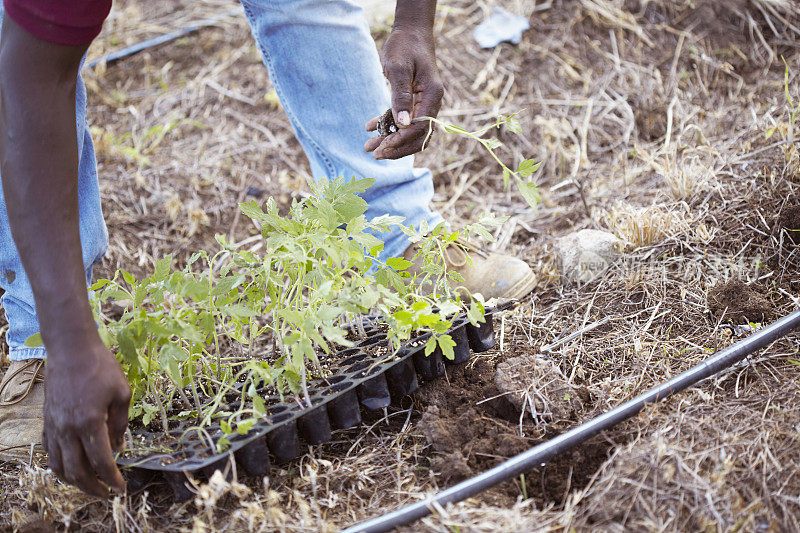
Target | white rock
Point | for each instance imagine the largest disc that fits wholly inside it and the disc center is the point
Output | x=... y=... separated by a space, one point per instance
x=586 y=254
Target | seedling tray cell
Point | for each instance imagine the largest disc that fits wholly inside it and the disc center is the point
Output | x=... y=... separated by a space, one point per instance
x=429 y=367
x=481 y=337
x=374 y=393
x=254 y=457
x=462 y=347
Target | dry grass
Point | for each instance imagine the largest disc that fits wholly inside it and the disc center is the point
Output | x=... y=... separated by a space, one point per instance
x=645 y=226
x=652 y=119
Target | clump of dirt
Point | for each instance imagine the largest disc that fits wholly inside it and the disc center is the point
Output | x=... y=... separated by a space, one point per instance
x=454 y=466
x=790 y=222
x=471 y=428
x=738 y=302
x=536 y=386
x=386 y=124
x=468 y=436
x=650 y=117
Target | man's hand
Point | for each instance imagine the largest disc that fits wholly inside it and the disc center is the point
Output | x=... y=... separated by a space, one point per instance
x=85 y=416
x=409 y=63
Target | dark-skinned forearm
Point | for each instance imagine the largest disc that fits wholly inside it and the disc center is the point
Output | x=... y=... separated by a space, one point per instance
x=39 y=166
x=415 y=14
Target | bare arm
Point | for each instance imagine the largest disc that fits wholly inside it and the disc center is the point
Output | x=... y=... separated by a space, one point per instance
x=409 y=63
x=86 y=393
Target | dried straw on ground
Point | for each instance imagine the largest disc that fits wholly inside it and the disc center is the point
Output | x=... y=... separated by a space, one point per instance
x=665 y=122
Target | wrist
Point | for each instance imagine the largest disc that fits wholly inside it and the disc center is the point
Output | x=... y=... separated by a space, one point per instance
x=415 y=15
x=417 y=33
x=68 y=335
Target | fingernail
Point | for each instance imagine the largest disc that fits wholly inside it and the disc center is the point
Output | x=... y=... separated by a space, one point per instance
x=403 y=118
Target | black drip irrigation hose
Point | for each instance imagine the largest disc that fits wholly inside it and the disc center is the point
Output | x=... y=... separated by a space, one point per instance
x=161 y=39
x=547 y=450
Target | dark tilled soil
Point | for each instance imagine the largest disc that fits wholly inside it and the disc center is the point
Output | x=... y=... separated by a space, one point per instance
x=789 y=222
x=37 y=525
x=737 y=302
x=471 y=430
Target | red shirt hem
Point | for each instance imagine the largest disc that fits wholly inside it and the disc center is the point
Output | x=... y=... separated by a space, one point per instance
x=23 y=13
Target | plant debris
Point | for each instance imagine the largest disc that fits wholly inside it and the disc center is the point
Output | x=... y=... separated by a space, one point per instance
x=621 y=99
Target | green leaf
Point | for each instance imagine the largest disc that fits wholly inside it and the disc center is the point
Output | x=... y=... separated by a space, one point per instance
x=174 y=352
x=398 y=263
x=239 y=310
x=352 y=207
x=446 y=343
x=195 y=290
x=252 y=210
x=358 y=186
x=149 y=414
x=430 y=346
x=259 y=406
x=530 y=192
x=482 y=231
x=335 y=335
x=162 y=269
x=419 y=305
x=139 y=294
x=491 y=143
x=452 y=238
x=385 y=222
x=475 y=313
x=106 y=337
x=34 y=341
x=402 y=316
x=127 y=346
x=226 y=285
x=99 y=284
x=451 y=128
x=128 y=277
x=368 y=241
x=455 y=276
x=527 y=167
x=328 y=313
x=513 y=125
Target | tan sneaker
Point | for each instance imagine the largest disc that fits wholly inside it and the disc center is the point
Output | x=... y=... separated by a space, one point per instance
x=493 y=275
x=22 y=410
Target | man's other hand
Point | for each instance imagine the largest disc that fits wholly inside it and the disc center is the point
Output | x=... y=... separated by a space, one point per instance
x=85 y=415
x=409 y=63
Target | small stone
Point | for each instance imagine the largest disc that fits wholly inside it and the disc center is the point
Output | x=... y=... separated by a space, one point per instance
x=586 y=254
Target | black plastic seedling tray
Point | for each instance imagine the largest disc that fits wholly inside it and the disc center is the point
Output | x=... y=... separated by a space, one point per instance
x=357 y=382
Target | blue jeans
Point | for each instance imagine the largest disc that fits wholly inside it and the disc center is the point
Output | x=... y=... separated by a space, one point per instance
x=325 y=68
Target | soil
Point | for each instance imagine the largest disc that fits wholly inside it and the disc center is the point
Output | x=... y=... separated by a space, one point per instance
x=790 y=222
x=471 y=428
x=739 y=303
x=716 y=457
x=36 y=525
x=386 y=125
